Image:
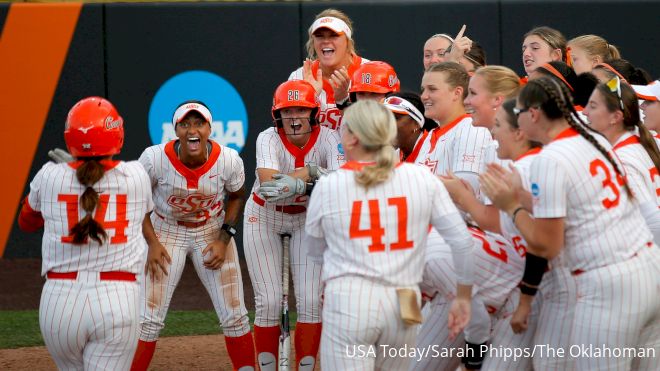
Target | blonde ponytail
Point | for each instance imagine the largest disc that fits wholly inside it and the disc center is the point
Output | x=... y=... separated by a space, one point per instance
x=375 y=127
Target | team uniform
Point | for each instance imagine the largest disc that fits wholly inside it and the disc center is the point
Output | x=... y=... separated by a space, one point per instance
x=88 y=312
x=376 y=240
x=458 y=147
x=187 y=217
x=498 y=270
x=329 y=115
x=264 y=223
x=606 y=248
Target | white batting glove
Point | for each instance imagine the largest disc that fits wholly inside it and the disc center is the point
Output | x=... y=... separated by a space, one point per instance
x=315 y=171
x=283 y=186
x=60 y=156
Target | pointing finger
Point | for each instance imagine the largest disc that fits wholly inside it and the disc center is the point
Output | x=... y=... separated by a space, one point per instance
x=460 y=33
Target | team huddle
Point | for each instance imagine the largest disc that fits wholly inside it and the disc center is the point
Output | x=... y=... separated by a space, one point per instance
x=487 y=212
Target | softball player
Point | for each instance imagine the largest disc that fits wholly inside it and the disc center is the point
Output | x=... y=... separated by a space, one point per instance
x=456 y=145
x=373 y=80
x=498 y=271
x=373 y=216
x=331 y=62
x=614 y=112
x=579 y=190
x=435 y=49
x=542 y=45
x=294 y=146
x=190 y=178
x=91 y=210
x=650 y=96
x=586 y=51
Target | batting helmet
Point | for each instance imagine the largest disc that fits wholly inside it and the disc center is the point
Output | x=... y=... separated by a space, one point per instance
x=295 y=93
x=94 y=128
x=375 y=77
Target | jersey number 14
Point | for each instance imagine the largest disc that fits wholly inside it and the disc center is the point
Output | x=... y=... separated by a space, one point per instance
x=376 y=231
x=119 y=224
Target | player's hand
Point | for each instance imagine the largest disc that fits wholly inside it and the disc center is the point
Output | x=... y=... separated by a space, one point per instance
x=459 y=316
x=315 y=171
x=214 y=254
x=340 y=82
x=157 y=261
x=282 y=186
x=499 y=190
x=317 y=82
x=462 y=44
x=60 y=156
x=520 y=318
x=458 y=189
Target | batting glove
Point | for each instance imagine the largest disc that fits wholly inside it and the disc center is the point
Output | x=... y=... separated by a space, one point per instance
x=283 y=186
x=315 y=171
x=60 y=156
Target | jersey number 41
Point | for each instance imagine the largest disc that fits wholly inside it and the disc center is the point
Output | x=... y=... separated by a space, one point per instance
x=376 y=231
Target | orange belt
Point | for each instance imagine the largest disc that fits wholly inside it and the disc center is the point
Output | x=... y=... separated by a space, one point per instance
x=104 y=276
x=287 y=209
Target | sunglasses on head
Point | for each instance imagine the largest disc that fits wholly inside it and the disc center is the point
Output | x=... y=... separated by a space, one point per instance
x=615 y=87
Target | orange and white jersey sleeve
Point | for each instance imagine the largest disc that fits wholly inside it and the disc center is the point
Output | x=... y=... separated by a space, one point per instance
x=641 y=173
x=124 y=199
x=329 y=116
x=274 y=151
x=570 y=179
x=192 y=195
x=377 y=233
x=457 y=147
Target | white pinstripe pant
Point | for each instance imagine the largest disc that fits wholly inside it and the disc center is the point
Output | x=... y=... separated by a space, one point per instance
x=224 y=285
x=364 y=314
x=88 y=323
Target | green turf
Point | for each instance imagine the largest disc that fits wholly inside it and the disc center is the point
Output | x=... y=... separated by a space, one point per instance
x=21 y=328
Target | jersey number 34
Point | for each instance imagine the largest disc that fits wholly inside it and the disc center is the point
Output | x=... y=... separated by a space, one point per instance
x=376 y=231
x=119 y=225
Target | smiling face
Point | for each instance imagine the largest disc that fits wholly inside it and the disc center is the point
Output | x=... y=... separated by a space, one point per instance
x=331 y=48
x=599 y=116
x=480 y=103
x=438 y=96
x=295 y=122
x=535 y=52
x=651 y=111
x=434 y=50
x=193 y=133
x=506 y=135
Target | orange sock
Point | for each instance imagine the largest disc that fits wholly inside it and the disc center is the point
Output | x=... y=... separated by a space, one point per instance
x=307 y=339
x=143 y=355
x=267 y=341
x=241 y=350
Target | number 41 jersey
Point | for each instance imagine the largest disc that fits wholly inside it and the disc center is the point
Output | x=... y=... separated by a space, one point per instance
x=124 y=199
x=377 y=233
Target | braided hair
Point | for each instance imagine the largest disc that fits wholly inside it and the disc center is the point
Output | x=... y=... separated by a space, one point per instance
x=555 y=101
x=88 y=174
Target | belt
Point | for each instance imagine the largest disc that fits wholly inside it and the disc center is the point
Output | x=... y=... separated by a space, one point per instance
x=287 y=209
x=104 y=276
x=186 y=224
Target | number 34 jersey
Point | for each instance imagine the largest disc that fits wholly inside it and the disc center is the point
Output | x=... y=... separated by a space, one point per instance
x=124 y=199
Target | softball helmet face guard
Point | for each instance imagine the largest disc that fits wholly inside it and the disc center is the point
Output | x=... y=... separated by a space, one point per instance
x=374 y=77
x=295 y=93
x=94 y=129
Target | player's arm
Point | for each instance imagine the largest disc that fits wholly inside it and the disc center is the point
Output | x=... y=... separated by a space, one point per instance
x=29 y=220
x=157 y=257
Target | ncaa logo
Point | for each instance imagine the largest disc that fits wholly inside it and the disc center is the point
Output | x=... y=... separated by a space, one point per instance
x=230 y=121
x=535 y=190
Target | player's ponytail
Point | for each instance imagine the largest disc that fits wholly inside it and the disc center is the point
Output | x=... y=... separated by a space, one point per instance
x=375 y=127
x=90 y=172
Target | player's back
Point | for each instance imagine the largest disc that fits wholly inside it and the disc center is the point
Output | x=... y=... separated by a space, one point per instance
x=124 y=199
x=378 y=233
x=602 y=226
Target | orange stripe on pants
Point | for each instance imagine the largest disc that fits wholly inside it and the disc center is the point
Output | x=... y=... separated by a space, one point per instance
x=33 y=48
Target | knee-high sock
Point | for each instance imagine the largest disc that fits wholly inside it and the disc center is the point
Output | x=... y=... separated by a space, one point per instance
x=266 y=341
x=143 y=355
x=307 y=340
x=241 y=351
